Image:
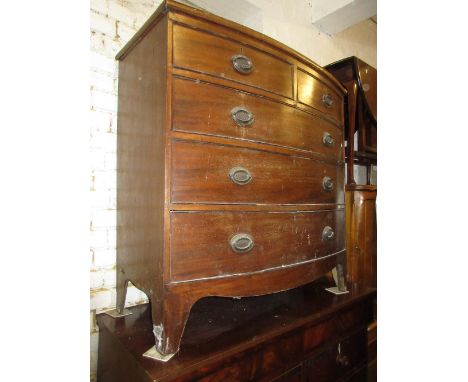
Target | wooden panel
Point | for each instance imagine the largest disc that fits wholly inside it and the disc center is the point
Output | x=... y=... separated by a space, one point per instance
x=200 y=241
x=310 y=92
x=206 y=109
x=362 y=235
x=201 y=175
x=140 y=163
x=203 y=52
x=338 y=360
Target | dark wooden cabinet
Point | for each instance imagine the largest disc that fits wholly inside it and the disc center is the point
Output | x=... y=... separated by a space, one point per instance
x=303 y=334
x=230 y=170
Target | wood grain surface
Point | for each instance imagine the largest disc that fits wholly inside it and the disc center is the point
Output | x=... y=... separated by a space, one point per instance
x=200 y=174
x=204 y=108
x=310 y=92
x=207 y=53
x=200 y=241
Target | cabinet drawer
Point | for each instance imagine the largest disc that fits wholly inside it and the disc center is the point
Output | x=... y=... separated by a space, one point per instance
x=210 y=173
x=206 y=53
x=338 y=360
x=314 y=93
x=208 y=244
x=215 y=110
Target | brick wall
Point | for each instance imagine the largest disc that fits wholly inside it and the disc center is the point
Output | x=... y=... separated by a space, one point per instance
x=113 y=23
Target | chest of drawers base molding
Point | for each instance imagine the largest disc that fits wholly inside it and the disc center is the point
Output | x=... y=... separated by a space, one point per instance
x=223 y=195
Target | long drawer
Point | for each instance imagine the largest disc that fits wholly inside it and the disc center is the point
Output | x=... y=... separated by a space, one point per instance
x=209 y=109
x=210 y=173
x=209 y=244
x=207 y=53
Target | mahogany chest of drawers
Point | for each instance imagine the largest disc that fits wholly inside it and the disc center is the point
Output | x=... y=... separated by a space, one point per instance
x=230 y=166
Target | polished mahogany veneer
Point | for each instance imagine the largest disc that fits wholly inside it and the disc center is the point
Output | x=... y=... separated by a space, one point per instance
x=199 y=245
x=209 y=109
x=195 y=50
x=271 y=178
x=230 y=166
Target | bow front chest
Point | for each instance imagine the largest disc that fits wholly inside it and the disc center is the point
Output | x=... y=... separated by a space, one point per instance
x=230 y=166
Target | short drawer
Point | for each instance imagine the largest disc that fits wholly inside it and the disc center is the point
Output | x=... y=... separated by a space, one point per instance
x=206 y=53
x=314 y=93
x=210 y=173
x=221 y=243
x=338 y=360
x=209 y=109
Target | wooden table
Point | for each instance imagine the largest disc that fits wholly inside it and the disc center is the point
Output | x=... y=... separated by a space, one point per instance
x=303 y=334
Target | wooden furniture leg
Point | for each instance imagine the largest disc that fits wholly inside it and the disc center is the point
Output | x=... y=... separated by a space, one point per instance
x=121 y=287
x=169 y=319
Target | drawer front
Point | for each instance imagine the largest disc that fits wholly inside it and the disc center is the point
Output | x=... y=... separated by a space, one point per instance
x=210 y=173
x=215 y=110
x=206 y=53
x=314 y=93
x=209 y=244
x=338 y=360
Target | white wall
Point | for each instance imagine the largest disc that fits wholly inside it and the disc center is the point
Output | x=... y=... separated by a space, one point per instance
x=290 y=21
x=113 y=22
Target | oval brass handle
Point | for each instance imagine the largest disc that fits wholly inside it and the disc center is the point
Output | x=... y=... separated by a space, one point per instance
x=342 y=360
x=242 y=116
x=327 y=100
x=242 y=63
x=328 y=140
x=241 y=243
x=327 y=183
x=328 y=233
x=240 y=176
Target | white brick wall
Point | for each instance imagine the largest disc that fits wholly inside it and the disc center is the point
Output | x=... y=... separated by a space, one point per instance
x=113 y=23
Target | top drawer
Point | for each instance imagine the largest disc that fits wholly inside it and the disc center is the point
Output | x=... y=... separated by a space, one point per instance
x=314 y=93
x=210 y=54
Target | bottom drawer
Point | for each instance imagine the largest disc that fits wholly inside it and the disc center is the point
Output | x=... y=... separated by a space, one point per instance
x=209 y=244
x=338 y=360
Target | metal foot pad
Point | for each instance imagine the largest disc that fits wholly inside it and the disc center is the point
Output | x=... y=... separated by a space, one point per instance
x=114 y=313
x=335 y=290
x=153 y=353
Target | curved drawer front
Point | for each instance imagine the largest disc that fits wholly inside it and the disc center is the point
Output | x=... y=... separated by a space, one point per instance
x=314 y=93
x=203 y=244
x=213 y=110
x=210 y=54
x=210 y=173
